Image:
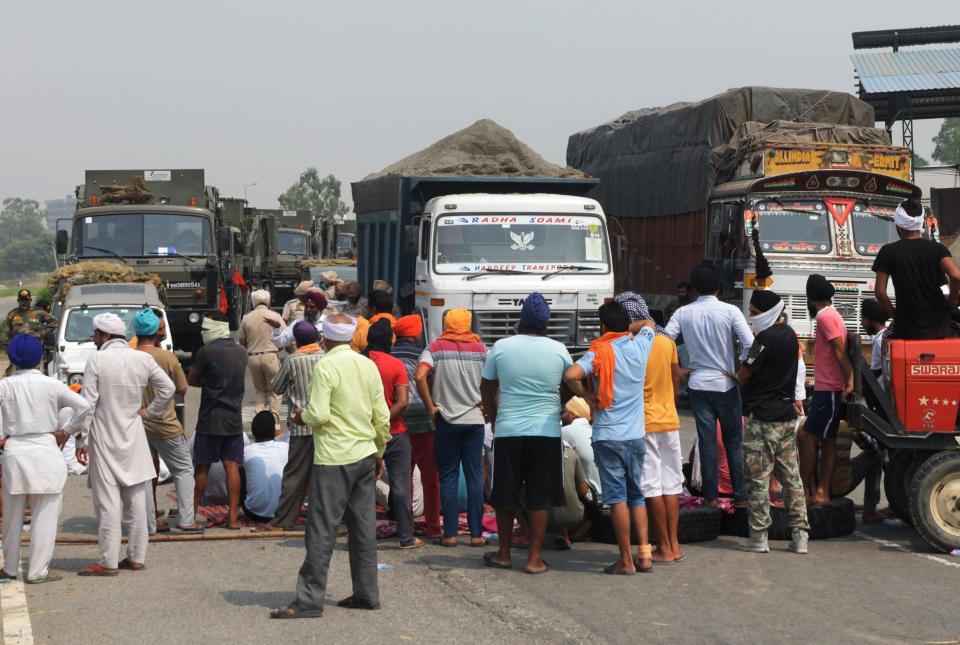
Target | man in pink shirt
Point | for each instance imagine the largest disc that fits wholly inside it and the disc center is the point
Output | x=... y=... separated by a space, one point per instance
x=832 y=380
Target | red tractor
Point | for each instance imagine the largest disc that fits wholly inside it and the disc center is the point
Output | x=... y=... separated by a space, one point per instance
x=914 y=416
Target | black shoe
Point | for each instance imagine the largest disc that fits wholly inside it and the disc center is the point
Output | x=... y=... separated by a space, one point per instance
x=353 y=603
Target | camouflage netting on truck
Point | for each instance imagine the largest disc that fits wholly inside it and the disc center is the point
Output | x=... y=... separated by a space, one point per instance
x=341 y=262
x=60 y=281
x=484 y=149
x=664 y=161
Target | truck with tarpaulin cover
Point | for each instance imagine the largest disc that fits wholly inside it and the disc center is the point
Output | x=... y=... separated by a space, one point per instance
x=163 y=222
x=278 y=242
x=795 y=180
x=485 y=243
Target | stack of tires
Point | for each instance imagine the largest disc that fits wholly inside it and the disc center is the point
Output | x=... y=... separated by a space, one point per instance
x=835 y=519
x=698 y=524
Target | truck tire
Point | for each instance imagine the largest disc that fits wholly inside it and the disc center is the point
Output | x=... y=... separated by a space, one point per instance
x=835 y=519
x=897 y=475
x=700 y=524
x=935 y=500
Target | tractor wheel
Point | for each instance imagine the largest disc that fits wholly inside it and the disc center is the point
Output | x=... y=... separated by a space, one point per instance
x=897 y=475
x=935 y=500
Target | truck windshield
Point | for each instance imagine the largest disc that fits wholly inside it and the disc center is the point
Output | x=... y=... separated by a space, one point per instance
x=79 y=327
x=144 y=234
x=292 y=243
x=872 y=227
x=524 y=243
x=794 y=227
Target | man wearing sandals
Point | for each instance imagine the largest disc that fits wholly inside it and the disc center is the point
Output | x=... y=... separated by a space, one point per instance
x=617 y=361
x=120 y=465
x=351 y=426
x=34 y=471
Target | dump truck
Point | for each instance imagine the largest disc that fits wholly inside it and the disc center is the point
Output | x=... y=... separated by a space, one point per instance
x=166 y=222
x=485 y=243
x=737 y=181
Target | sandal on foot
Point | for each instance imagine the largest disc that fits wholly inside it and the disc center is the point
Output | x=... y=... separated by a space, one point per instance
x=488 y=561
x=130 y=565
x=353 y=603
x=415 y=544
x=196 y=529
x=233 y=528
x=644 y=552
x=295 y=612
x=611 y=570
x=265 y=528
x=50 y=577
x=546 y=567
x=480 y=541
x=97 y=570
x=444 y=541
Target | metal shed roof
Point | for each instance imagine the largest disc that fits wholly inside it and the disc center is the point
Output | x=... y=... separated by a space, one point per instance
x=908 y=71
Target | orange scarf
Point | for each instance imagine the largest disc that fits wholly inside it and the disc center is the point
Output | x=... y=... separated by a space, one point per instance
x=460 y=336
x=312 y=348
x=604 y=365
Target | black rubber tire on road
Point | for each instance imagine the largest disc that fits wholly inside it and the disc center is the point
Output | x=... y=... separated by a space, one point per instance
x=700 y=524
x=935 y=500
x=826 y=521
x=897 y=475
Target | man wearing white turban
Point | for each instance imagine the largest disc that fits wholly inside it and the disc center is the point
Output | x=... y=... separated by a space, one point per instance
x=120 y=464
x=919 y=268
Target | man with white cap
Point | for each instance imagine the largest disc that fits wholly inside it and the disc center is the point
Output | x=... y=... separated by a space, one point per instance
x=919 y=268
x=33 y=470
x=262 y=362
x=120 y=464
x=350 y=420
x=293 y=308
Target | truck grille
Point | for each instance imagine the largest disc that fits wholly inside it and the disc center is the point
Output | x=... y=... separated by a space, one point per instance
x=848 y=305
x=494 y=325
x=589 y=326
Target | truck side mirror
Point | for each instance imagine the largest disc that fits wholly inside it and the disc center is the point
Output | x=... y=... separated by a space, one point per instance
x=314 y=248
x=410 y=235
x=622 y=252
x=63 y=239
x=224 y=240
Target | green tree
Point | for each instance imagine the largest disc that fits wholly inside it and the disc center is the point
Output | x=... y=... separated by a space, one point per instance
x=25 y=245
x=919 y=161
x=947 y=142
x=315 y=193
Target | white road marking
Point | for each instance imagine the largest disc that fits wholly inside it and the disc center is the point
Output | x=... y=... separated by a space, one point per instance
x=13 y=610
x=906 y=549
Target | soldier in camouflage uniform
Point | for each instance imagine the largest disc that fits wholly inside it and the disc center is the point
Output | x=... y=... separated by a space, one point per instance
x=772 y=378
x=26 y=319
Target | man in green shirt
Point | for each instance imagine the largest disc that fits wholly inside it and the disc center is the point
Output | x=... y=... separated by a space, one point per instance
x=348 y=415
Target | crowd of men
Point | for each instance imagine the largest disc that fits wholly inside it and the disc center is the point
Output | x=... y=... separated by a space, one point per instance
x=365 y=395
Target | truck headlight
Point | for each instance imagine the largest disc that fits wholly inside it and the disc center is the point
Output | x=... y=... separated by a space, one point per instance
x=75 y=379
x=194 y=318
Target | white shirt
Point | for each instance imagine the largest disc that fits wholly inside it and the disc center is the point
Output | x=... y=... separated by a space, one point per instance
x=284 y=337
x=114 y=382
x=263 y=465
x=708 y=327
x=579 y=435
x=30 y=405
x=876 y=356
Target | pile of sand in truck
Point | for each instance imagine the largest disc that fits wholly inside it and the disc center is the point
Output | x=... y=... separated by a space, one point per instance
x=484 y=149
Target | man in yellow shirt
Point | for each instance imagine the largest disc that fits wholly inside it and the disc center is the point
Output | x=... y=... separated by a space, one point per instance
x=351 y=427
x=662 y=480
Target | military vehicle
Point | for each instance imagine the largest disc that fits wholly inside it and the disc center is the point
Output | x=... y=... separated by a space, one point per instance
x=167 y=222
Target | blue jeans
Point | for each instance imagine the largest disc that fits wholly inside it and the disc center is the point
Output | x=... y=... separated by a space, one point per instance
x=620 y=465
x=708 y=409
x=457 y=445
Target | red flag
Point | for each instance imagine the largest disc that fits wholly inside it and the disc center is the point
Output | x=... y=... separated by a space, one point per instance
x=238 y=279
x=224 y=307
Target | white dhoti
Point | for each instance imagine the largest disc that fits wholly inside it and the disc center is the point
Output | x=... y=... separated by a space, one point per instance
x=33 y=473
x=117 y=508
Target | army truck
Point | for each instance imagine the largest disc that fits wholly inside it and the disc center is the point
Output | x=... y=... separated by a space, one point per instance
x=279 y=241
x=166 y=222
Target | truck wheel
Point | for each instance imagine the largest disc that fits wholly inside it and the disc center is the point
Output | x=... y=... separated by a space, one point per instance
x=897 y=475
x=935 y=500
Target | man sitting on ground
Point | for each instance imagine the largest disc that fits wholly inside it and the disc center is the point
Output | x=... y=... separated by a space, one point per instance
x=577 y=432
x=263 y=464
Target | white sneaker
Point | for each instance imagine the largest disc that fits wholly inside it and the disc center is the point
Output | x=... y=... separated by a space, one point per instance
x=799 y=542
x=756 y=544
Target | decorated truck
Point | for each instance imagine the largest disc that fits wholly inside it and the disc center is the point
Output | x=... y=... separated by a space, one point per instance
x=733 y=181
x=163 y=222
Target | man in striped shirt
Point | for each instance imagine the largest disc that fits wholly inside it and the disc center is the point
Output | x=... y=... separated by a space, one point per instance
x=293 y=381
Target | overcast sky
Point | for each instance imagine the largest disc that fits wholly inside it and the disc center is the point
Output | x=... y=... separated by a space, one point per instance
x=258 y=91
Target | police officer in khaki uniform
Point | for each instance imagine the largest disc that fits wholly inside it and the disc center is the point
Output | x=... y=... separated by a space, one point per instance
x=293 y=308
x=263 y=361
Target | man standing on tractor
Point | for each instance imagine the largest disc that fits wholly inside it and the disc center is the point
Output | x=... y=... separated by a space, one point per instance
x=919 y=268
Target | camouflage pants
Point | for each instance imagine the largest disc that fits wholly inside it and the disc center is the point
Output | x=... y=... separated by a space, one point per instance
x=771 y=448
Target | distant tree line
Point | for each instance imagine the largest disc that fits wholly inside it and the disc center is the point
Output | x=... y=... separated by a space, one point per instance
x=26 y=247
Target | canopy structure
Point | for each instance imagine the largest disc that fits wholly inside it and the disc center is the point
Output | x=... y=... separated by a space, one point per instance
x=903 y=85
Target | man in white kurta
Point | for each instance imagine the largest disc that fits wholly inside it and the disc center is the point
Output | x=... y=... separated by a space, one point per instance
x=33 y=468
x=120 y=463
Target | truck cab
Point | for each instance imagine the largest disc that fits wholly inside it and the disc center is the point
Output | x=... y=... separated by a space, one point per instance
x=487 y=252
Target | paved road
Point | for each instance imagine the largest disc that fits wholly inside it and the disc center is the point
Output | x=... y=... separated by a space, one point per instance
x=879 y=585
